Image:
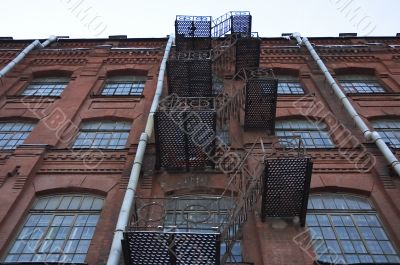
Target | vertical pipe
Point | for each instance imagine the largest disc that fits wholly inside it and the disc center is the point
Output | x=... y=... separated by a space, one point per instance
x=368 y=135
x=127 y=203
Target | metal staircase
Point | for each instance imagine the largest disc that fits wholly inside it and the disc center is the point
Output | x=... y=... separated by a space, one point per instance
x=176 y=230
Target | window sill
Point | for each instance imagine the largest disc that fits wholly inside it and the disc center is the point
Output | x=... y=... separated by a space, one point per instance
x=373 y=94
x=31 y=98
x=116 y=96
x=77 y=149
x=294 y=95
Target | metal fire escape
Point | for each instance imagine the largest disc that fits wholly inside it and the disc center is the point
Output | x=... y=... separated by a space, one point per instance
x=176 y=230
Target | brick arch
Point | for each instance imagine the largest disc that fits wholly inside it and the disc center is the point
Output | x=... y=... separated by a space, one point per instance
x=215 y=190
x=348 y=70
x=316 y=118
x=126 y=71
x=52 y=72
x=25 y=117
x=101 y=117
x=342 y=189
x=379 y=116
x=57 y=184
x=287 y=70
x=94 y=191
x=354 y=183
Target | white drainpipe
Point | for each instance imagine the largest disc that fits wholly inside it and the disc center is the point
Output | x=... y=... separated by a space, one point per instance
x=125 y=212
x=21 y=55
x=368 y=134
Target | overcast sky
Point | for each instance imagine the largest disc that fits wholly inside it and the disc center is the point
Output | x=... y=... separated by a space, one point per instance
x=155 y=18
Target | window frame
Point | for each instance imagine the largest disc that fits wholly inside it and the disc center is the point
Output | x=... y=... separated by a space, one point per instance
x=383 y=132
x=84 y=132
x=290 y=79
x=15 y=132
x=138 y=80
x=46 y=81
x=367 y=81
x=42 y=234
x=351 y=230
x=320 y=128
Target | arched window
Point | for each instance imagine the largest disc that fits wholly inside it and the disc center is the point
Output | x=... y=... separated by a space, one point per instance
x=313 y=134
x=13 y=134
x=360 y=84
x=58 y=228
x=46 y=86
x=289 y=85
x=347 y=229
x=125 y=85
x=389 y=130
x=103 y=134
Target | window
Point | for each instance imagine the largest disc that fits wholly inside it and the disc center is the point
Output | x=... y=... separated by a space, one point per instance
x=313 y=134
x=103 y=134
x=360 y=84
x=389 y=130
x=223 y=134
x=199 y=213
x=46 y=86
x=289 y=85
x=13 y=134
x=347 y=228
x=124 y=86
x=58 y=229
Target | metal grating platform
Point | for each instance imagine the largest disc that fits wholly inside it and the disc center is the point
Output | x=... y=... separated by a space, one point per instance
x=286 y=186
x=260 y=106
x=185 y=135
x=241 y=23
x=193 y=33
x=232 y=22
x=247 y=53
x=166 y=248
x=189 y=78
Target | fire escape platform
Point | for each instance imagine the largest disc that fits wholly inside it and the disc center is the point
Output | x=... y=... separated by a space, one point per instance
x=190 y=78
x=171 y=248
x=185 y=133
x=286 y=186
x=260 y=106
x=247 y=52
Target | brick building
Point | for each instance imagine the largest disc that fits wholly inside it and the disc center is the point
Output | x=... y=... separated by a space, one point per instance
x=253 y=158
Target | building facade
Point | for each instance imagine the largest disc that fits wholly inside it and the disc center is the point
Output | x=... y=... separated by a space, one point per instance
x=253 y=159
